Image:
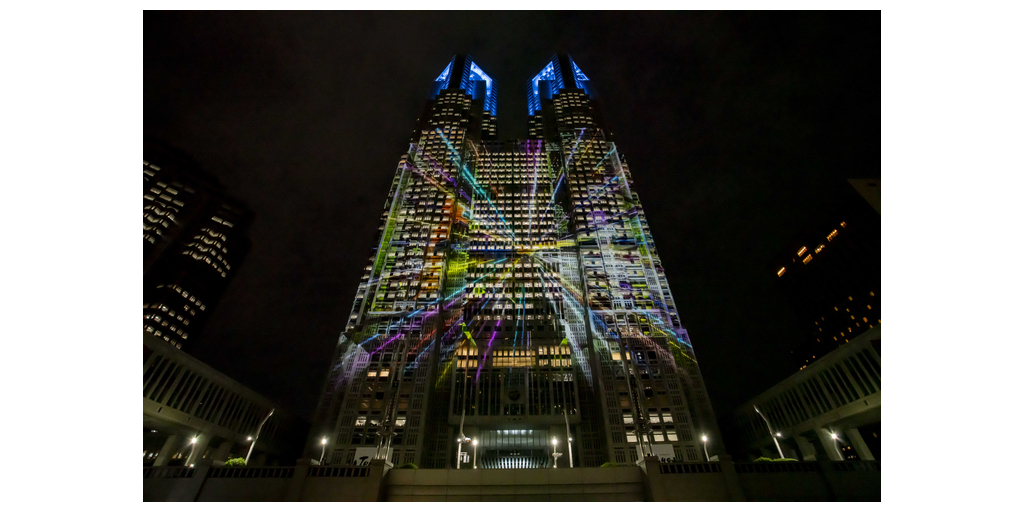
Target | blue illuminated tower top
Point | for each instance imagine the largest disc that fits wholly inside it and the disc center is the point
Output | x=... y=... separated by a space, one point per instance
x=471 y=78
x=551 y=81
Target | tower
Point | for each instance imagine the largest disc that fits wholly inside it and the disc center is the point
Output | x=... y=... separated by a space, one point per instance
x=514 y=299
x=194 y=238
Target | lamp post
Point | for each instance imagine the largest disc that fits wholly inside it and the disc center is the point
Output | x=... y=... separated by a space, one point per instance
x=835 y=440
x=474 y=454
x=458 y=459
x=191 y=450
x=554 y=451
x=777 y=447
x=704 y=438
x=257 y=436
x=323 y=442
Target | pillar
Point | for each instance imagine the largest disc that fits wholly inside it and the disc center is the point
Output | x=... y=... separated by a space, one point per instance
x=806 y=448
x=825 y=436
x=169 y=449
x=859 y=445
x=223 y=452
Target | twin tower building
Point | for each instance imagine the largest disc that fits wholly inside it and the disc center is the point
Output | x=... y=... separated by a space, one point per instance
x=514 y=312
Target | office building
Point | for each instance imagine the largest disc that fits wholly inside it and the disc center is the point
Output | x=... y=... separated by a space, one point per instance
x=832 y=274
x=193 y=237
x=830 y=410
x=514 y=312
x=193 y=415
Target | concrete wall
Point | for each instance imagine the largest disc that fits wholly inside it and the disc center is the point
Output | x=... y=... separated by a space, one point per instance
x=578 y=484
x=299 y=483
x=774 y=481
x=650 y=481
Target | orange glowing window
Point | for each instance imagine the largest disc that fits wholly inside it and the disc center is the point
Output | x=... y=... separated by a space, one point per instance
x=832 y=235
x=782 y=271
x=807 y=259
x=801 y=251
x=819 y=248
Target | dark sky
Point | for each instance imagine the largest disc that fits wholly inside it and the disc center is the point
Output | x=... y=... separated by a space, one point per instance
x=737 y=128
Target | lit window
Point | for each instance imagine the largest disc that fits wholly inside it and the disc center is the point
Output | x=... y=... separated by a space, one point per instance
x=872 y=293
x=831 y=235
x=782 y=271
x=801 y=251
x=808 y=258
x=842 y=224
x=819 y=248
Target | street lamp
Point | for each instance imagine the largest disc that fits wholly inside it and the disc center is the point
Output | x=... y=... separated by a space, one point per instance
x=835 y=440
x=257 y=436
x=777 y=435
x=323 y=449
x=554 y=451
x=474 y=454
x=705 y=439
x=192 y=450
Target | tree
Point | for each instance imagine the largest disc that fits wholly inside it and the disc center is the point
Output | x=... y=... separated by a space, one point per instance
x=235 y=462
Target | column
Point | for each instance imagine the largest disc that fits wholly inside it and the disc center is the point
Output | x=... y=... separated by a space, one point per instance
x=825 y=436
x=223 y=451
x=806 y=448
x=859 y=445
x=169 y=449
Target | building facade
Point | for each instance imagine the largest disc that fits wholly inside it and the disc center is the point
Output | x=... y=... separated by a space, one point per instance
x=193 y=415
x=832 y=276
x=194 y=237
x=514 y=312
x=832 y=409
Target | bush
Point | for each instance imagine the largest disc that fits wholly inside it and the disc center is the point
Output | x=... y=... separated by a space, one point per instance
x=769 y=459
x=235 y=462
x=615 y=465
x=408 y=465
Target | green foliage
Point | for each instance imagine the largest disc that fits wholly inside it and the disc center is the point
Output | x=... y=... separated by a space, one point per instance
x=769 y=459
x=408 y=465
x=615 y=465
x=235 y=462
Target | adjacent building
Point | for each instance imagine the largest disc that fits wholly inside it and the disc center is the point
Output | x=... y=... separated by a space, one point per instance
x=832 y=273
x=193 y=415
x=832 y=409
x=514 y=312
x=193 y=237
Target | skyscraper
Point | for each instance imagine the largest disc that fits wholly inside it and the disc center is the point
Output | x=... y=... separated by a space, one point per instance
x=193 y=239
x=514 y=307
x=832 y=274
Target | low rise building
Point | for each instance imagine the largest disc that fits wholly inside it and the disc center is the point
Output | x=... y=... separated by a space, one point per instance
x=832 y=408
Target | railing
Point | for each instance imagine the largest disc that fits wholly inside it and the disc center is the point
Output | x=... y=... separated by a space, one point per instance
x=283 y=472
x=168 y=472
x=689 y=468
x=342 y=471
x=776 y=467
x=857 y=465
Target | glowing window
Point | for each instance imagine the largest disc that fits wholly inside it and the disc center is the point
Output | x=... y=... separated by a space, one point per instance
x=782 y=271
x=808 y=258
x=819 y=248
x=801 y=251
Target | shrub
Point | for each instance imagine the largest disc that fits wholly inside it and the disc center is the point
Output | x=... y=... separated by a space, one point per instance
x=408 y=465
x=769 y=459
x=615 y=465
x=235 y=462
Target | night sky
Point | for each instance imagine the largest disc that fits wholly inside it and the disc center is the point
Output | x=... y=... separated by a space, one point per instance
x=737 y=128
